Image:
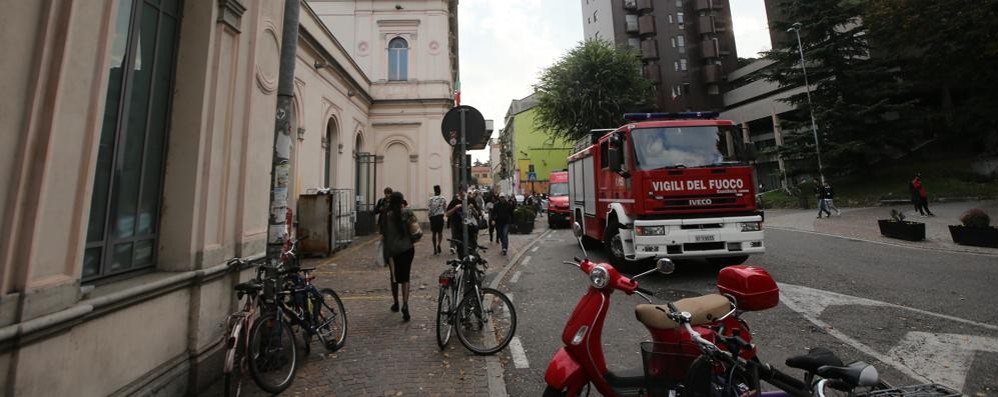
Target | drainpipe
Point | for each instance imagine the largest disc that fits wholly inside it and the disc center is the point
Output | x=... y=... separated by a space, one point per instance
x=280 y=169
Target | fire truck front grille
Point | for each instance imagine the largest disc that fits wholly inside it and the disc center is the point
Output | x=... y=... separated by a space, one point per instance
x=702 y=226
x=703 y=246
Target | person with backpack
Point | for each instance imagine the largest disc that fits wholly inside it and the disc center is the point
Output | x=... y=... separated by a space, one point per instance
x=819 y=194
x=829 y=196
x=502 y=215
x=398 y=247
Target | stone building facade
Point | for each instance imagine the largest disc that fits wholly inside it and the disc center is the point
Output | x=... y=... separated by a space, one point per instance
x=136 y=159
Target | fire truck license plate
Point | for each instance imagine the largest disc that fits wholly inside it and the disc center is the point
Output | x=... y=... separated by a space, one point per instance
x=708 y=237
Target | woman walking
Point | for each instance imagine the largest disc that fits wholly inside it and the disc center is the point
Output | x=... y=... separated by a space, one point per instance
x=398 y=248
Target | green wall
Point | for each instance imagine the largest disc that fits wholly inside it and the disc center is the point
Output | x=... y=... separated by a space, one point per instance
x=542 y=150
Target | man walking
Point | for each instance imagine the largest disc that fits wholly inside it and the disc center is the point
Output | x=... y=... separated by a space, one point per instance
x=502 y=216
x=829 y=195
x=819 y=194
x=918 y=196
x=435 y=210
x=382 y=205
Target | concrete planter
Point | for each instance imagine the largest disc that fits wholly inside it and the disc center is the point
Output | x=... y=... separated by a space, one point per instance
x=975 y=236
x=905 y=230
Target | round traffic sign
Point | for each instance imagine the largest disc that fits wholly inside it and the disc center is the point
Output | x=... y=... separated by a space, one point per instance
x=474 y=124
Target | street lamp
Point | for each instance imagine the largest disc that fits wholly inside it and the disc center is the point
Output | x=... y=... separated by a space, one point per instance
x=807 y=87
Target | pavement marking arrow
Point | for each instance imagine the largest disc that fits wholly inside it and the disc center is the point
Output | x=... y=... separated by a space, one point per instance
x=944 y=357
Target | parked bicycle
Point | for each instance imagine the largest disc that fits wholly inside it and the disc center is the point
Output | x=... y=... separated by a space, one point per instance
x=723 y=372
x=318 y=312
x=483 y=318
x=238 y=326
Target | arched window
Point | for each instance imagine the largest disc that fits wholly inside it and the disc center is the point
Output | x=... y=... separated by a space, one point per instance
x=398 y=60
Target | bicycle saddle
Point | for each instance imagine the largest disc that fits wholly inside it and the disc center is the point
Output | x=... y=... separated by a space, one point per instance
x=814 y=359
x=855 y=374
x=704 y=309
x=249 y=286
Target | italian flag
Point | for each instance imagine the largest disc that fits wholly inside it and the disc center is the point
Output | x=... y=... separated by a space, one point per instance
x=457 y=93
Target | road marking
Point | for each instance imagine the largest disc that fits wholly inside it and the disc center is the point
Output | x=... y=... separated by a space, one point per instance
x=534 y=249
x=945 y=357
x=516 y=277
x=526 y=260
x=519 y=356
x=510 y=296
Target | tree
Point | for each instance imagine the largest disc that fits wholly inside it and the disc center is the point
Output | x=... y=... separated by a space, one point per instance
x=948 y=50
x=590 y=88
x=859 y=102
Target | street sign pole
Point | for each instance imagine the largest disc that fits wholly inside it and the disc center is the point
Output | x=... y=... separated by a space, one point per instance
x=463 y=182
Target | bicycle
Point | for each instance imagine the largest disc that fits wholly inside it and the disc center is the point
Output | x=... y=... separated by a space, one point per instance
x=724 y=373
x=485 y=317
x=238 y=326
x=318 y=312
x=272 y=347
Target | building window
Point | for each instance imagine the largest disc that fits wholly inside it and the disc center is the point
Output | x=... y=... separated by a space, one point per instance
x=124 y=207
x=681 y=41
x=398 y=60
x=676 y=64
x=683 y=64
x=595 y=15
x=670 y=18
x=673 y=41
x=679 y=18
x=679 y=3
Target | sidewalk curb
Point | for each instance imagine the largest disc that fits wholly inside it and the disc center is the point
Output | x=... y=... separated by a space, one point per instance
x=947 y=250
x=494 y=369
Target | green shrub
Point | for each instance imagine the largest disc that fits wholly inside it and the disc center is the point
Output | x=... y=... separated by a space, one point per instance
x=524 y=214
x=975 y=217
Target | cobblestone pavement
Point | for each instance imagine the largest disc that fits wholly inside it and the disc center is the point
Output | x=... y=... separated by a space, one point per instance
x=383 y=355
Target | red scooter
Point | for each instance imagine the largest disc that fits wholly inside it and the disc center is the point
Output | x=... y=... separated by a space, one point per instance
x=671 y=351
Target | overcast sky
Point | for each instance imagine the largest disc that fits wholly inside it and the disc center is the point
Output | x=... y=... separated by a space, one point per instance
x=505 y=44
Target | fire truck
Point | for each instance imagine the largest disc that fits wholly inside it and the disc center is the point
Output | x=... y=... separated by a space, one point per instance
x=558 y=212
x=673 y=185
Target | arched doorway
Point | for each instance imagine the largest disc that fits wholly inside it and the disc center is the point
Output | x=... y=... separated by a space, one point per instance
x=332 y=147
x=395 y=169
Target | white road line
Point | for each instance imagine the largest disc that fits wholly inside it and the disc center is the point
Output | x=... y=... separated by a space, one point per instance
x=516 y=277
x=510 y=296
x=526 y=260
x=519 y=357
x=534 y=249
x=945 y=357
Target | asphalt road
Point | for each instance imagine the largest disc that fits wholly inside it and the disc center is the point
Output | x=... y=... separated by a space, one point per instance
x=916 y=315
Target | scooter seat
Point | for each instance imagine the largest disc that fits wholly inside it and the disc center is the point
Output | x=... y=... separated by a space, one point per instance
x=704 y=309
x=814 y=359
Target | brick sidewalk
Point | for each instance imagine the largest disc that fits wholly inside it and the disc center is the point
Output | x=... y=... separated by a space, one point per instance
x=383 y=355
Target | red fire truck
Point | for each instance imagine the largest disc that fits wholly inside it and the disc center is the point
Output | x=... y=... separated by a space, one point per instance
x=668 y=185
x=558 y=212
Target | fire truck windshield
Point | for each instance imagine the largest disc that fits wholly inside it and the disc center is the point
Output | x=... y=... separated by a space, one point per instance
x=559 y=189
x=683 y=147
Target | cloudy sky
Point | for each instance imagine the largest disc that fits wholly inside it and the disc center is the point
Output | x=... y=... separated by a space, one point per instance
x=505 y=44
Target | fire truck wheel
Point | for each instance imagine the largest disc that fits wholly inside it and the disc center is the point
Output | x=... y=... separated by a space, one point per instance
x=727 y=261
x=615 y=246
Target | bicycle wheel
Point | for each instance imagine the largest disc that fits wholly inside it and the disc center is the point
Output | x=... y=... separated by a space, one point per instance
x=234 y=361
x=330 y=319
x=485 y=328
x=445 y=318
x=272 y=354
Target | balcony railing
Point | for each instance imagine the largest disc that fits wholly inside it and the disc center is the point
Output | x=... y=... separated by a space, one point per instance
x=645 y=5
x=649 y=50
x=646 y=25
x=712 y=73
x=705 y=24
x=652 y=72
x=708 y=49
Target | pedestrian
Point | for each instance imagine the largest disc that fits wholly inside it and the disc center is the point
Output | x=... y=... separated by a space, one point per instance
x=489 y=206
x=502 y=215
x=918 y=196
x=398 y=249
x=456 y=214
x=435 y=210
x=829 y=195
x=382 y=205
x=819 y=194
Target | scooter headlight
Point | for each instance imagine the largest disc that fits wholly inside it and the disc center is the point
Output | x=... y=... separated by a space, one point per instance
x=599 y=277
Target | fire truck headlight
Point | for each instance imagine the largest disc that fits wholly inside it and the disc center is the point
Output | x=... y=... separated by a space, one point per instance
x=750 y=226
x=650 y=230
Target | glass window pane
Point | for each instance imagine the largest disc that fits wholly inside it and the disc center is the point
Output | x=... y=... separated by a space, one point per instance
x=160 y=96
x=105 y=151
x=129 y=171
x=91 y=262
x=122 y=257
x=403 y=65
x=143 y=253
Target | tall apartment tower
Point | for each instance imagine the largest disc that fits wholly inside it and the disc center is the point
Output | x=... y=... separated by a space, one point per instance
x=687 y=46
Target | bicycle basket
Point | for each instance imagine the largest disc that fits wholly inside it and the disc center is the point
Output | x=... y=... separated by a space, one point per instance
x=924 y=390
x=665 y=365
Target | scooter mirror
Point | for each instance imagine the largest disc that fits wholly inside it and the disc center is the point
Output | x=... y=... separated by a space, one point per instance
x=577 y=229
x=665 y=266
